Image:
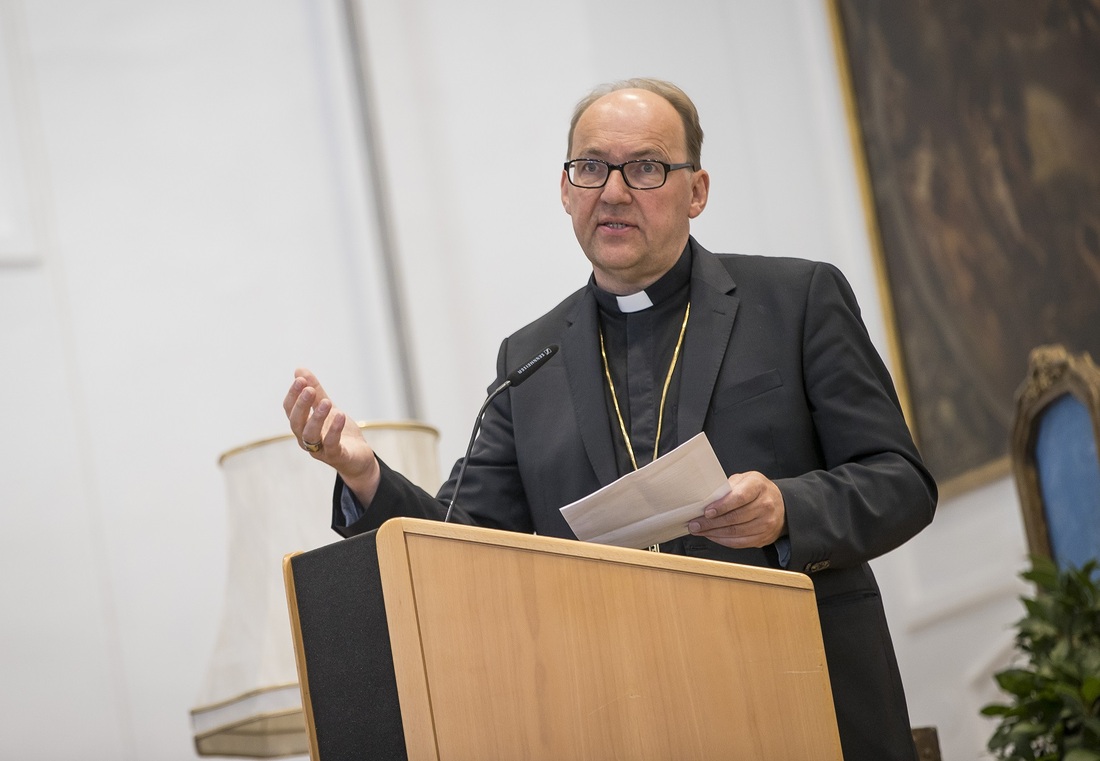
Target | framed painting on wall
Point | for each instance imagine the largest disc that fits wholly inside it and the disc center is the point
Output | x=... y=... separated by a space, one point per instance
x=977 y=128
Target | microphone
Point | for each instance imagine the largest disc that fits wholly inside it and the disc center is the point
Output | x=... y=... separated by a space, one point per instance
x=516 y=377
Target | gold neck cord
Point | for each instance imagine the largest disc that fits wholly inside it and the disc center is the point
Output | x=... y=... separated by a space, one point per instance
x=664 y=391
x=664 y=395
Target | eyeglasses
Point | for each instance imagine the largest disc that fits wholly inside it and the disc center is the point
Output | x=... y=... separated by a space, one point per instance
x=641 y=174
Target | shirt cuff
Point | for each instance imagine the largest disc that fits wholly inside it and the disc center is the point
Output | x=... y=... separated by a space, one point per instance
x=783 y=548
x=350 y=507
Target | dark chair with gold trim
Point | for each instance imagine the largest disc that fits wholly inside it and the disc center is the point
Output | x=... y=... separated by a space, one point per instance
x=1054 y=455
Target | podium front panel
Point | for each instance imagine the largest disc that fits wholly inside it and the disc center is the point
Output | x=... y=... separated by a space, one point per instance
x=510 y=646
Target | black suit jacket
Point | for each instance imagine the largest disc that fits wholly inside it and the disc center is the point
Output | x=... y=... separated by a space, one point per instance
x=780 y=373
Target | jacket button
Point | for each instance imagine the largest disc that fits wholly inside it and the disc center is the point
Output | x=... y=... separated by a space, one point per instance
x=820 y=565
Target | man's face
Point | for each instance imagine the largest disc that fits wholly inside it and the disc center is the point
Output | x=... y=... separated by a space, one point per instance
x=632 y=237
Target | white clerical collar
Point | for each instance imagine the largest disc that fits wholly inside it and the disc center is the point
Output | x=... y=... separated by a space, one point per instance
x=635 y=302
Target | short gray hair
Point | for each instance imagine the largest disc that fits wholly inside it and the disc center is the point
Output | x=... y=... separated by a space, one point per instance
x=693 y=133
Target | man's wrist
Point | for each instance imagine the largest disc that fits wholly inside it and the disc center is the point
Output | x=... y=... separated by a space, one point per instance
x=364 y=485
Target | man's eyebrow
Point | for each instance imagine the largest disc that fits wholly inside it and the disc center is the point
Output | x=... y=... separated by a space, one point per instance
x=644 y=153
x=591 y=153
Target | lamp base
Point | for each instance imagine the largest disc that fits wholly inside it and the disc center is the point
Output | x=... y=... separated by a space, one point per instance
x=263 y=724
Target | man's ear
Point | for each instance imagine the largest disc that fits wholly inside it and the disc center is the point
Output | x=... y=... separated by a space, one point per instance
x=565 y=194
x=700 y=191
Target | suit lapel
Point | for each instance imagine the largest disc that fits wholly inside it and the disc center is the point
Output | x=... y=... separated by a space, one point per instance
x=580 y=348
x=713 y=308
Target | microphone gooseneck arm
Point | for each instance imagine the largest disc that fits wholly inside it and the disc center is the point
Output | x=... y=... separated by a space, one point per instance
x=516 y=377
x=470 y=447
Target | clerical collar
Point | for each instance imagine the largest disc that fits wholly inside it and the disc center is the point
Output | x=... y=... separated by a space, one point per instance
x=635 y=302
x=668 y=284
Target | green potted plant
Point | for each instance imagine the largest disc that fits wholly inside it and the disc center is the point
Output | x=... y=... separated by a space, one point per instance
x=1054 y=710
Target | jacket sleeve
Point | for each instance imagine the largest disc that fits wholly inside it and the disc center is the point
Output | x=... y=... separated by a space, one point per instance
x=491 y=492
x=873 y=492
x=396 y=497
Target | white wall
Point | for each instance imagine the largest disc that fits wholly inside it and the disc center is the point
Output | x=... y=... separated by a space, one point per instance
x=195 y=226
x=200 y=231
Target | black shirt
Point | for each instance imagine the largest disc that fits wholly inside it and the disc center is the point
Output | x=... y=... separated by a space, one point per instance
x=640 y=346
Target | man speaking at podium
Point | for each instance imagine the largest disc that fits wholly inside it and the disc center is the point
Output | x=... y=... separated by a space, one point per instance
x=768 y=356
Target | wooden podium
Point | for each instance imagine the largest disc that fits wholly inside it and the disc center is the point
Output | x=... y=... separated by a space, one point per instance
x=437 y=641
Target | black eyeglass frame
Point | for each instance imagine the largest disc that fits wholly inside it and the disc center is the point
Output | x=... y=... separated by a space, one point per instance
x=612 y=167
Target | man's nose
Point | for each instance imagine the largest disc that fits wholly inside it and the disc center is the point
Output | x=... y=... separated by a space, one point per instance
x=615 y=190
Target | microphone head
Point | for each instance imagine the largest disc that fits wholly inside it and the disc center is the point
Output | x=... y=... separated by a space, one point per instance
x=526 y=370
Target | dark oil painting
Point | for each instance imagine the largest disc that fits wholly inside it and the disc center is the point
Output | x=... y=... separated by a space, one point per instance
x=980 y=124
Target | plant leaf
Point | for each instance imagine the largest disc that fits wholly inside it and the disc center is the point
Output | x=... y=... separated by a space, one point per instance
x=1090 y=689
x=1082 y=754
x=1017 y=681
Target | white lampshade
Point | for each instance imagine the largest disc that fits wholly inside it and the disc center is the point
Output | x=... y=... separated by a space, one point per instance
x=279 y=502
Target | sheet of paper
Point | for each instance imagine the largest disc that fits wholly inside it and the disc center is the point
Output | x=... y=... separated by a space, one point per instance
x=653 y=504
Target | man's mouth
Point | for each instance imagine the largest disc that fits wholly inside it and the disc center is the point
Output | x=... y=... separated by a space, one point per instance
x=615 y=225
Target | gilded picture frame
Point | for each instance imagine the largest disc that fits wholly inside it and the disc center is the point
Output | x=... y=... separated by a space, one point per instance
x=976 y=129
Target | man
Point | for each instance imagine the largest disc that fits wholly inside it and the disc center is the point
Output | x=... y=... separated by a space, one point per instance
x=768 y=356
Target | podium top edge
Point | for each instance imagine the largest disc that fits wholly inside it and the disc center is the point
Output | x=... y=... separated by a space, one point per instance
x=588 y=550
